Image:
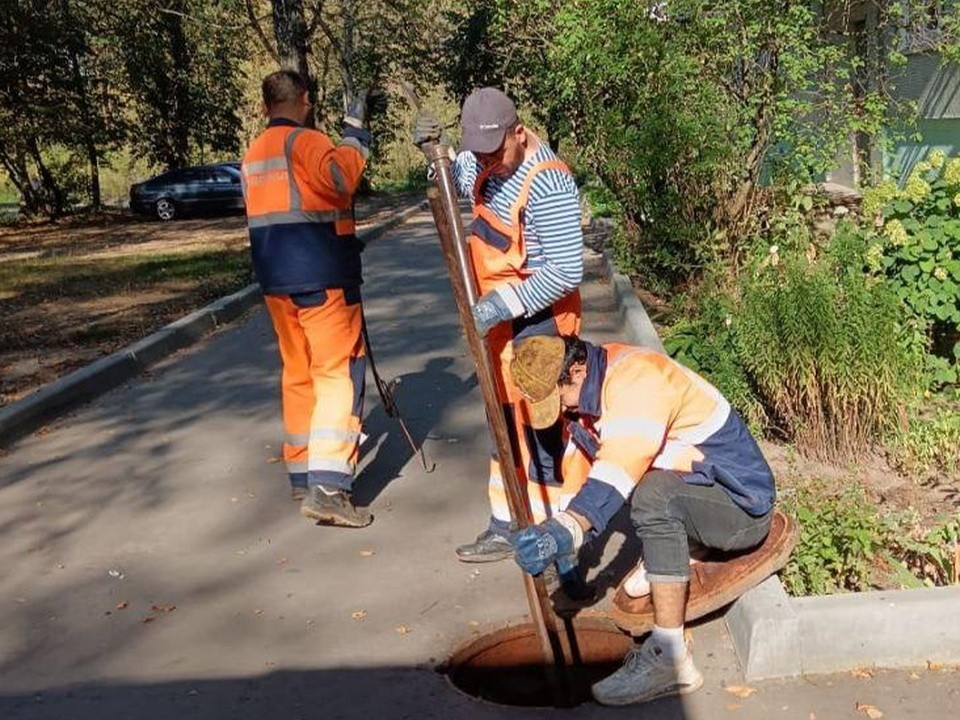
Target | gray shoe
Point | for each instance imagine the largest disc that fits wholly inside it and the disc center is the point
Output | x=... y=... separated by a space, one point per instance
x=488 y=547
x=336 y=509
x=646 y=675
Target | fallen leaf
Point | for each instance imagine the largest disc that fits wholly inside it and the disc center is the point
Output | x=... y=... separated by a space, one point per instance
x=359 y=614
x=931 y=665
x=913 y=676
x=149 y=618
x=258 y=612
x=164 y=607
x=403 y=629
x=871 y=711
x=122 y=605
x=741 y=691
x=474 y=623
x=861 y=673
x=367 y=553
x=273 y=459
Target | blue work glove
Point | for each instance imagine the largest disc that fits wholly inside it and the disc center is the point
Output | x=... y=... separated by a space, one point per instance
x=497 y=306
x=554 y=540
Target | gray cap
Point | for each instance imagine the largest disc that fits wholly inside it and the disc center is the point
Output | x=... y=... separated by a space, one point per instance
x=486 y=115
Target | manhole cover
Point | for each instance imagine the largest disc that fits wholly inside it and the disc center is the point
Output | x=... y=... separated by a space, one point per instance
x=507 y=666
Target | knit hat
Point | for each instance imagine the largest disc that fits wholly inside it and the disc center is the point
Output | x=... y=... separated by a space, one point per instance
x=486 y=115
x=536 y=367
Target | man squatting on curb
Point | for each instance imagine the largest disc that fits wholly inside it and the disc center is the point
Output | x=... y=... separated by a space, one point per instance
x=641 y=427
x=526 y=248
x=299 y=188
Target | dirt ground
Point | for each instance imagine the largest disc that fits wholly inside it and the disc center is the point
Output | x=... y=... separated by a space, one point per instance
x=83 y=287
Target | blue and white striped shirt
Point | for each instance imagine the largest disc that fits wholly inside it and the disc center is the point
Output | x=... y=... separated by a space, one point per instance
x=552 y=233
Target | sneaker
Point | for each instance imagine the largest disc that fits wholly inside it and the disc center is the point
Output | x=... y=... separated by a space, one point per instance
x=336 y=509
x=488 y=547
x=637 y=583
x=646 y=675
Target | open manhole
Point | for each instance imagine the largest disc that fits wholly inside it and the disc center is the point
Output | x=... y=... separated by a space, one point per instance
x=507 y=666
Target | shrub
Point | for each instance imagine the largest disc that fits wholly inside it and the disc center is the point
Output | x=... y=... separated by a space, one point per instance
x=916 y=246
x=929 y=446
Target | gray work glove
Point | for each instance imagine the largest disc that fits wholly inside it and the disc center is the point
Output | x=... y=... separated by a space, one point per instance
x=356 y=115
x=427 y=129
x=497 y=306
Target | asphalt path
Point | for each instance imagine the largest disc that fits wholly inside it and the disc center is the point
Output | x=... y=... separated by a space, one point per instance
x=154 y=566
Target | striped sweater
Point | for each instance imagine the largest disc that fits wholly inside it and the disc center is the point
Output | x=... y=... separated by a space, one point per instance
x=552 y=231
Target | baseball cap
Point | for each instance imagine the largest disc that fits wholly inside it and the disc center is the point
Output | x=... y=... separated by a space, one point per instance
x=486 y=115
x=536 y=367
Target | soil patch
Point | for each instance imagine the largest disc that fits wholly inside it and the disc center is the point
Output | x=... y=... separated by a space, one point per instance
x=77 y=289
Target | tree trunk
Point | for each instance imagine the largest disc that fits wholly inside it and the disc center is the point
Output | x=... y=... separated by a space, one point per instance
x=182 y=105
x=53 y=200
x=290 y=30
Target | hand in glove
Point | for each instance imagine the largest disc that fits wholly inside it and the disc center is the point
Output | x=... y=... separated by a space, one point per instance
x=426 y=130
x=356 y=115
x=554 y=540
x=497 y=306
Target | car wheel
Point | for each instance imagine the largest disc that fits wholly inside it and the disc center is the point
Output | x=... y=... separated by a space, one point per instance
x=165 y=209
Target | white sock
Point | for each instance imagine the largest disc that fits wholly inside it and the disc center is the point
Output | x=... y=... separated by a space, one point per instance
x=671 y=643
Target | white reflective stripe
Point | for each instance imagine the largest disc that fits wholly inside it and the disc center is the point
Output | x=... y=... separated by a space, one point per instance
x=295 y=200
x=300 y=466
x=298 y=216
x=708 y=426
x=630 y=427
x=613 y=475
x=668 y=455
x=298 y=439
x=330 y=465
x=511 y=300
x=334 y=434
x=356 y=145
x=339 y=181
x=274 y=163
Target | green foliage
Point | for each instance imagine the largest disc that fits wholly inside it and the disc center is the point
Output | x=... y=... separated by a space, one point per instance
x=918 y=251
x=929 y=447
x=846 y=545
x=840 y=535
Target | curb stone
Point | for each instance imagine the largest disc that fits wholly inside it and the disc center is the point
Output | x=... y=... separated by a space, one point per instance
x=23 y=416
x=778 y=636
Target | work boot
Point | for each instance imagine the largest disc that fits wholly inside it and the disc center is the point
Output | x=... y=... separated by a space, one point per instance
x=334 y=508
x=488 y=547
x=647 y=675
x=298 y=492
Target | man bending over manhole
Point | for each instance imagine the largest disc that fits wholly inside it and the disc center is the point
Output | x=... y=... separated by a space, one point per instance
x=647 y=429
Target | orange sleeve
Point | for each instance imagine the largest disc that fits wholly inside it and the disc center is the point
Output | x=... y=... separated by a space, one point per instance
x=332 y=170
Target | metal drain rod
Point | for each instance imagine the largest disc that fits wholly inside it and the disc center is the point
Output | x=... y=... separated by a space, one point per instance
x=558 y=641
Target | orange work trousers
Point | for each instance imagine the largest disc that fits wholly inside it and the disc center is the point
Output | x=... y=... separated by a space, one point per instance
x=324 y=369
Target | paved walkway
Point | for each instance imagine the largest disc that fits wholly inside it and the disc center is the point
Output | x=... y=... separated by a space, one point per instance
x=153 y=566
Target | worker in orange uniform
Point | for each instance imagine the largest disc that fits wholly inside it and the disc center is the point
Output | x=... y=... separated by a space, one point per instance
x=643 y=429
x=526 y=250
x=299 y=189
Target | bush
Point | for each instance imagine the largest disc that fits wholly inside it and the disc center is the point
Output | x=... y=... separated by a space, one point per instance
x=917 y=248
x=929 y=446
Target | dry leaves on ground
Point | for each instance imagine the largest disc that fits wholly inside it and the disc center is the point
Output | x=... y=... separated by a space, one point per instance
x=741 y=691
x=358 y=614
x=861 y=673
x=871 y=711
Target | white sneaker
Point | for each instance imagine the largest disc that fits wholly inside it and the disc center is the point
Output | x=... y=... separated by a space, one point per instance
x=637 y=584
x=647 y=675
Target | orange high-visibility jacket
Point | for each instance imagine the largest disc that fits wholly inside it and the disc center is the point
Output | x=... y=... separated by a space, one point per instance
x=299 y=188
x=639 y=410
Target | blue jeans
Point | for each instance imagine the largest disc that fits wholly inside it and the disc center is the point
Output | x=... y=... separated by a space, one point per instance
x=667 y=511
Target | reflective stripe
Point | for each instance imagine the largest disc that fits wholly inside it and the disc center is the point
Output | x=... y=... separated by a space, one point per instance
x=330 y=465
x=356 y=145
x=613 y=475
x=298 y=216
x=273 y=163
x=334 y=434
x=339 y=181
x=295 y=200
x=629 y=427
x=299 y=466
x=298 y=439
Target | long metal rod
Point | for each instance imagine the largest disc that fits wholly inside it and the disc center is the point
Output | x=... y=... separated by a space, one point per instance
x=558 y=650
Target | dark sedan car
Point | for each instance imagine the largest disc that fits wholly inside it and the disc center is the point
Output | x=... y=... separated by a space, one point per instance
x=207 y=188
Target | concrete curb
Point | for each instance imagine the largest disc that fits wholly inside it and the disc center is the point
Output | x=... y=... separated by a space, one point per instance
x=776 y=636
x=19 y=418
